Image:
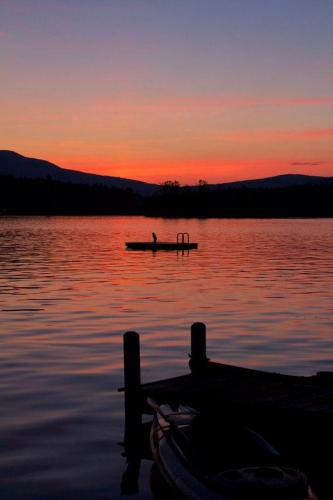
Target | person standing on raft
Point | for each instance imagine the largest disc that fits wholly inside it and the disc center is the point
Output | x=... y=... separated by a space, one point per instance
x=154 y=237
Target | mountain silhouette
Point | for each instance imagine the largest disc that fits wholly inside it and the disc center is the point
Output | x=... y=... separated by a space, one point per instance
x=278 y=181
x=16 y=165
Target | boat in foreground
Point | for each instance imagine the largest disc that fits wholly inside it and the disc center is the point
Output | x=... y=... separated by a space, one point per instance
x=212 y=457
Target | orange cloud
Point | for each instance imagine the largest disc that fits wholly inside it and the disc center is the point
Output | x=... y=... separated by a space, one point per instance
x=317 y=133
x=307 y=163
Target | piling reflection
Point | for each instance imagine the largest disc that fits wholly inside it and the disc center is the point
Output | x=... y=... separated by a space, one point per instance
x=160 y=489
x=136 y=448
x=130 y=479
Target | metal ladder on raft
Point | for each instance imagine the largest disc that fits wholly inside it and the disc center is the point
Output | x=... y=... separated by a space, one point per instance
x=183 y=238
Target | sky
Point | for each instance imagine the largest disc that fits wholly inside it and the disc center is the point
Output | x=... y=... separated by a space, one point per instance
x=158 y=90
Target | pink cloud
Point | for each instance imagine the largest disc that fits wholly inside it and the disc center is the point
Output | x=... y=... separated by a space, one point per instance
x=214 y=103
x=171 y=103
x=304 y=101
x=276 y=135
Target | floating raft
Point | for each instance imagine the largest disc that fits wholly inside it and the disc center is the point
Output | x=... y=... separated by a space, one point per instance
x=162 y=245
x=182 y=243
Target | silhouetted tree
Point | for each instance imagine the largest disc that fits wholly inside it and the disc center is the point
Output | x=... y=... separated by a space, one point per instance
x=202 y=184
x=170 y=187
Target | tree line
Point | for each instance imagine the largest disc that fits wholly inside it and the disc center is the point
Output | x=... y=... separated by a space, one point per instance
x=173 y=200
x=48 y=197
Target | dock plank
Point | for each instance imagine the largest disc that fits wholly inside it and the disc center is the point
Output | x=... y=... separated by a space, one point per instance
x=245 y=388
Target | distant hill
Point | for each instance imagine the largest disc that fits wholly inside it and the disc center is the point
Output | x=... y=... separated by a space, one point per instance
x=278 y=181
x=14 y=164
x=36 y=187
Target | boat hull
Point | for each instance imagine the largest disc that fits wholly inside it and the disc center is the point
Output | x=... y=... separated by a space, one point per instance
x=174 y=470
x=264 y=480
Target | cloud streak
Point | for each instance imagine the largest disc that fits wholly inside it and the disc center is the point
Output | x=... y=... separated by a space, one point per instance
x=197 y=103
x=308 y=163
x=279 y=135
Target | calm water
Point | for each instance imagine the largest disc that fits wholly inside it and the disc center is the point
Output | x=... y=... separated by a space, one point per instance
x=69 y=290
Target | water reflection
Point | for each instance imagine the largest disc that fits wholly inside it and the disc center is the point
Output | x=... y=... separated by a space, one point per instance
x=69 y=290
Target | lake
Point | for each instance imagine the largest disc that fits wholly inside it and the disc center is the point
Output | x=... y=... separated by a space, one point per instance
x=69 y=290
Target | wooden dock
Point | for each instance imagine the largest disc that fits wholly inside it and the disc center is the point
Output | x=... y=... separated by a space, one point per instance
x=293 y=411
x=236 y=387
x=252 y=391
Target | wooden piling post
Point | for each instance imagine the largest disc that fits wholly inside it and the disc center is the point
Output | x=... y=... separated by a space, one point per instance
x=132 y=375
x=198 y=347
x=132 y=361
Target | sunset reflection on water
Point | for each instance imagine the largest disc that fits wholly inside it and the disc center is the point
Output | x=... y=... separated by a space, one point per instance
x=69 y=290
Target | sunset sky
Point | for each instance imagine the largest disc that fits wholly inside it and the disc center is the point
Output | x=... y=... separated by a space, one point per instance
x=169 y=89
